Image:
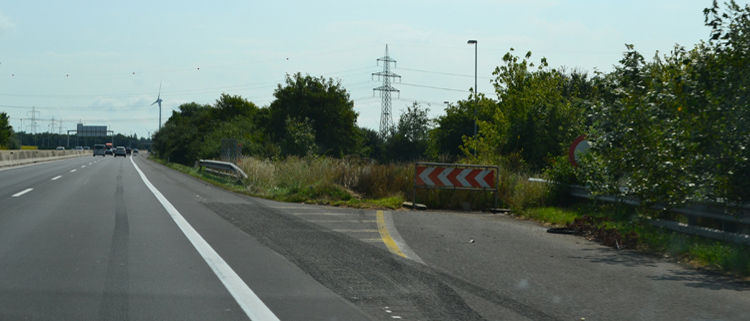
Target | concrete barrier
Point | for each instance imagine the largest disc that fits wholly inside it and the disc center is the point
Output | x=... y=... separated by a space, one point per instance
x=22 y=157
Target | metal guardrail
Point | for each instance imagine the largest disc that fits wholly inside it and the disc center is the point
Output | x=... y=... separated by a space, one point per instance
x=223 y=166
x=731 y=218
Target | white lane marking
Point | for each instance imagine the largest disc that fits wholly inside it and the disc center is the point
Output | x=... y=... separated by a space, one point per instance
x=245 y=297
x=72 y=170
x=90 y=163
x=82 y=166
x=22 y=192
x=56 y=177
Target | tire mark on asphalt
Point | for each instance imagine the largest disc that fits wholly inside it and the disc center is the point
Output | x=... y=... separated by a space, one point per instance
x=370 y=277
x=496 y=298
x=115 y=299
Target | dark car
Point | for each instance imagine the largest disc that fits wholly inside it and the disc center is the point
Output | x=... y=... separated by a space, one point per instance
x=108 y=151
x=99 y=150
x=135 y=151
x=128 y=150
x=120 y=151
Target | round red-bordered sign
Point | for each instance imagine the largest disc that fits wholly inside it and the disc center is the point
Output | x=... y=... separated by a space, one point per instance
x=580 y=145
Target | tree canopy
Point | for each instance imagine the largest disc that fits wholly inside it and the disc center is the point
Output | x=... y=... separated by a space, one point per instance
x=326 y=106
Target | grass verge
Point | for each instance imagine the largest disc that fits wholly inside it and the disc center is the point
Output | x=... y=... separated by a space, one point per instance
x=623 y=226
x=320 y=192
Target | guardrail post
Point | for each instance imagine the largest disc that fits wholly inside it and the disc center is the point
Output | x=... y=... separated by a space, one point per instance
x=414 y=189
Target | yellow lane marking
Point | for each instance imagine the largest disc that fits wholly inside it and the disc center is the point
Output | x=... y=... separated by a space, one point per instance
x=389 y=243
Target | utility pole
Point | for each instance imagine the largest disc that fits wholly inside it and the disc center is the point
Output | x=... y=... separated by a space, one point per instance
x=386 y=121
x=59 y=132
x=20 y=139
x=33 y=122
x=52 y=125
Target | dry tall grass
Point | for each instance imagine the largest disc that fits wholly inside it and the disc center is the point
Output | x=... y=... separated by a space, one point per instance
x=376 y=181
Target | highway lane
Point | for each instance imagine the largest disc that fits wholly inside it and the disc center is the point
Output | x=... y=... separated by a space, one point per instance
x=507 y=269
x=95 y=243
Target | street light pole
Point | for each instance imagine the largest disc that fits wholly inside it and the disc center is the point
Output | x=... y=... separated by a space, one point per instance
x=476 y=98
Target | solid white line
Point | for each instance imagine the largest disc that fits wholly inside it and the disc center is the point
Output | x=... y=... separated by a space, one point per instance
x=83 y=166
x=72 y=170
x=22 y=192
x=56 y=177
x=245 y=297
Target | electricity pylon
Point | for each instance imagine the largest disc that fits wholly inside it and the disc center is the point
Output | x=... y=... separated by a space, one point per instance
x=386 y=121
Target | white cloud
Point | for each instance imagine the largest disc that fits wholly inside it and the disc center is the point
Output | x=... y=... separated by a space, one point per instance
x=6 y=26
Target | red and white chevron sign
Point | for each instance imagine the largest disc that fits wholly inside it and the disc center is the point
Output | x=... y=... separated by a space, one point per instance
x=455 y=177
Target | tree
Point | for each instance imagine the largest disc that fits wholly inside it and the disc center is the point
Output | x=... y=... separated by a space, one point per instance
x=7 y=135
x=326 y=104
x=196 y=130
x=229 y=107
x=458 y=121
x=538 y=113
x=372 y=145
x=300 y=137
x=409 y=141
x=675 y=130
x=181 y=137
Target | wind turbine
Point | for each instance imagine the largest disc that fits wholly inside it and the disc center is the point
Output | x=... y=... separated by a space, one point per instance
x=158 y=101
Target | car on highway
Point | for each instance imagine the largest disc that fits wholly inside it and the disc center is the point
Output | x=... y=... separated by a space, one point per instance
x=128 y=150
x=99 y=150
x=79 y=148
x=120 y=151
x=135 y=151
x=108 y=151
x=60 y=148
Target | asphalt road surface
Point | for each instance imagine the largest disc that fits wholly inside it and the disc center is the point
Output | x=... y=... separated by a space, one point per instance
x=128 y=239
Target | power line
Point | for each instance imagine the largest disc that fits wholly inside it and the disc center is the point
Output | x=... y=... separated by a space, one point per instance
x=443 y=73
x=439 y=88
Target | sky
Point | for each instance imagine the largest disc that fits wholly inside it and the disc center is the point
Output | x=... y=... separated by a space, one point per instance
x=103 y=62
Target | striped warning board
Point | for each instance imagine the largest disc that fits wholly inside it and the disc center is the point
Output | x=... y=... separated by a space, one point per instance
x=428 y=176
